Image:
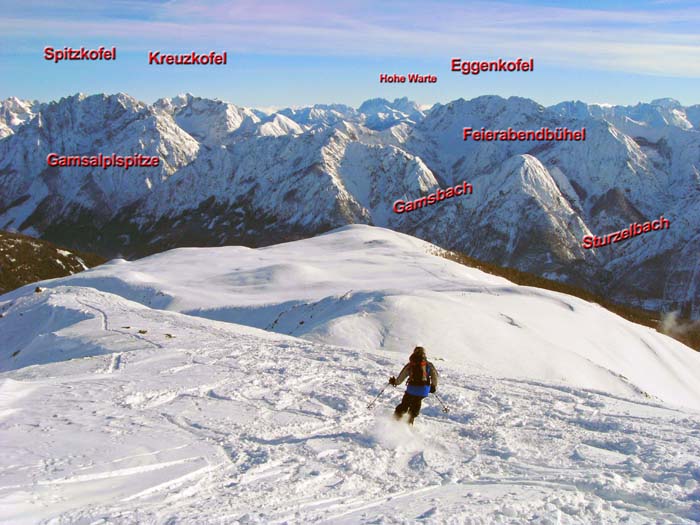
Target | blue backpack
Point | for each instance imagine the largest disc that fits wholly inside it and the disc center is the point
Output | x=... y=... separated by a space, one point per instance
x=419 y=379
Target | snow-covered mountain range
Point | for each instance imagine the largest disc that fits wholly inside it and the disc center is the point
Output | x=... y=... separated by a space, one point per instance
x=133 y=393
x=234 y=175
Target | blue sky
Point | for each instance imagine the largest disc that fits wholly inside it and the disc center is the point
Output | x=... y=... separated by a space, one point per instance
x=283 y=52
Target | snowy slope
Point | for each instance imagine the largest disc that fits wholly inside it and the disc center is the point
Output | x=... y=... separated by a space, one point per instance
x=371 y=288
x=145 y=415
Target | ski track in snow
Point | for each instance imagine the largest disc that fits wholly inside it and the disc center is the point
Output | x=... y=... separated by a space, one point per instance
x=225 y=424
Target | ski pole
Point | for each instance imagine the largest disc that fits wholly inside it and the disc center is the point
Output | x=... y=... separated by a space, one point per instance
x=374 y=401
x=444 y=406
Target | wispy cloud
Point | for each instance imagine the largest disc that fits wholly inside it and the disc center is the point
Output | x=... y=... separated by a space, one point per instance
x=662 y=40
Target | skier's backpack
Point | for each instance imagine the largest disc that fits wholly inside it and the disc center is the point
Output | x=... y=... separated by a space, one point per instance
x=419 y=373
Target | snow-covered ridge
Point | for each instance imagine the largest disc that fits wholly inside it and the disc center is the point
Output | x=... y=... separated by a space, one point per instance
x=371 y=288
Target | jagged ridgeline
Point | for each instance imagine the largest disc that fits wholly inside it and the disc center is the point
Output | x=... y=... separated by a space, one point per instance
x=235 y=175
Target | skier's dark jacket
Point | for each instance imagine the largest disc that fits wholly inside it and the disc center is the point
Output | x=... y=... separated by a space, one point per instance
x=423 y=388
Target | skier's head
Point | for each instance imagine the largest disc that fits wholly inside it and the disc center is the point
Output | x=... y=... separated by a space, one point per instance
x=418 y=354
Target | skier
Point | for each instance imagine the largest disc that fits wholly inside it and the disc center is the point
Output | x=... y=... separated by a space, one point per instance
x=422 y=381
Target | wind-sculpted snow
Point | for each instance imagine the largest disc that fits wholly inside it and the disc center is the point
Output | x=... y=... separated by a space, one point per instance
x=370 y=288
x=235 y=175
x=188 y=420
